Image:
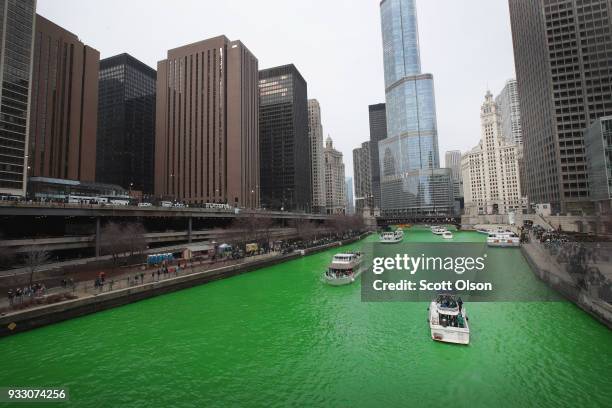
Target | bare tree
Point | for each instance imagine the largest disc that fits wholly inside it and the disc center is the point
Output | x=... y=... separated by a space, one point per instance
x=35 y=257
x=113 y=241
x=7 y=255
x=135 y=238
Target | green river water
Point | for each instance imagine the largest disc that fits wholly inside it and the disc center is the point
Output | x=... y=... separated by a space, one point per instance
x=281 y=337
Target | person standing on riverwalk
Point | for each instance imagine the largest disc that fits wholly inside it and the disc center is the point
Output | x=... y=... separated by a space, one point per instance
x=10 y=297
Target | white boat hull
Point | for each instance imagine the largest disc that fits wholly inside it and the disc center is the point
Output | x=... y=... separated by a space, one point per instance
x=346 y=280
x=504 y=242
x=448 y=334
x=390 y=241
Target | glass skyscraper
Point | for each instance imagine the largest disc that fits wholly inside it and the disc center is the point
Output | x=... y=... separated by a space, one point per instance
x=412 y=182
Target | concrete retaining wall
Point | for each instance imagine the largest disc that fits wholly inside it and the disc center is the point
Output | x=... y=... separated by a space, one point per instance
x=597 y=308
x=49 y=314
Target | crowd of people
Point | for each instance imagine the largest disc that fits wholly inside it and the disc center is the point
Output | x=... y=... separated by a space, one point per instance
x=18 y=295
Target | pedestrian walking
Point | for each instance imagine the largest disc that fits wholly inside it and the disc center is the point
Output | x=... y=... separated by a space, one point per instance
x=11 y=295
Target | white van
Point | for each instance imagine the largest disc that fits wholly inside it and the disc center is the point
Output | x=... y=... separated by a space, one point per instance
x=145 y=205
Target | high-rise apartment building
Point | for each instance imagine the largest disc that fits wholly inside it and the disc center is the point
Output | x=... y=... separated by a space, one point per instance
x=64 y=105
x=284 y=146
x=317 y=173
x=335 y=188
x=562 y=52
x=412 y=183
x=491 y=181
x=125 y=145
x=207 y=113
x=510 y=112
x=598 y=144
x=362 y=171
x=452 y=161
x=17 y=19
x=350 y=203
x=378 y=132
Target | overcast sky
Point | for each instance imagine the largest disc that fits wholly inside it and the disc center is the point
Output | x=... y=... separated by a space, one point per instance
x=336 y=45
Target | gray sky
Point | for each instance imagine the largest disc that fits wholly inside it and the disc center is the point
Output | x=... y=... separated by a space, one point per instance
x=336 y=45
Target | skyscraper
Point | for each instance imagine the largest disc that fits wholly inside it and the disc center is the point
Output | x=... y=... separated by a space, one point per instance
x=335 y=188
x=452 y=161
x=126 y=123
x=206 y=135
x=350 y=204
x=491 y=170
x=284 y=146
x=363 y=177
x=412 y=182
x=315 y=134
x=510 y=112
x=598 y=143
x=378 y=132
x=16 y=49
x=64 y=105
x=562 y=55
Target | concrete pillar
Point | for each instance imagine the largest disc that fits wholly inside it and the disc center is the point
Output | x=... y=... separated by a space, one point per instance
x=189 y=229
x=98 y=237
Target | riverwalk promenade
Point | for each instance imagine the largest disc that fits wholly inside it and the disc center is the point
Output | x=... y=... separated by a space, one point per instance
x=127 y=290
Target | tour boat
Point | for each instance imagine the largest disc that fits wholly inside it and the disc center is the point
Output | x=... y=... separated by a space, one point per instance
x=448 y=320
x=447 y=235
x=345 y=268
x=392 y=237
x=483 y=231
x=503 y=239
x=438 y=230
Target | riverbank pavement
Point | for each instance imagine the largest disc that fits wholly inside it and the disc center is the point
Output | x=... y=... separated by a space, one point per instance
x=132 y=279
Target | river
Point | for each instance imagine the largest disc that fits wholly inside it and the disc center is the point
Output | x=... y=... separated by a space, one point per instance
x=281 y=337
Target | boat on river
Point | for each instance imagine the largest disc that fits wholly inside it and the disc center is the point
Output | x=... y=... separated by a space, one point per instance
x=504 y=240
x=392 y=237
x=447 y=235
x=448 y=320
x=438 y=230
x=345 y=268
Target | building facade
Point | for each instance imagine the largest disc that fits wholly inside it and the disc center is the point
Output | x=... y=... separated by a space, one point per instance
x=206 y=134
x=284 y=145
x=452 y=161
x=317 y=173
x=17 y=19
x=598 y=144
x=350 y=203
x=378 y=132
x=125 y=146
x=412 y=183
x=510 y=112
x=562 y=56
x=64 y=106
x=491 y=181
x=335 y=187
x=362 y=171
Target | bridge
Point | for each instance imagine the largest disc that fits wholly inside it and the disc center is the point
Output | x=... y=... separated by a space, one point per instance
x=76 y=228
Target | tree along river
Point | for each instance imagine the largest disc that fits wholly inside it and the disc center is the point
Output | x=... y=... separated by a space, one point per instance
x=281 y=337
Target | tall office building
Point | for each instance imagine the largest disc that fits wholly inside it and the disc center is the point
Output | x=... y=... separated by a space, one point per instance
x=335 y=188
x=362 y=171
x=350 y=203
x=412 y=183
x=317 y=173
x=378 y=132
x=510 y=112
x=598 y=144
x=16 y=47
x=284 y=146
x=125 y=145
x=206 y=135
x=452 y=161
x=64 y=105
x=491 y=179
x=562 y=52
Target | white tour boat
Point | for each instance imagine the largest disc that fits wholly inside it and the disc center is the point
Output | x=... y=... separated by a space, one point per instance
x=447 y=235
x=503 y=239
x=392 y=237
x=448 y=320
x=438 y=230
x=345 y=268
